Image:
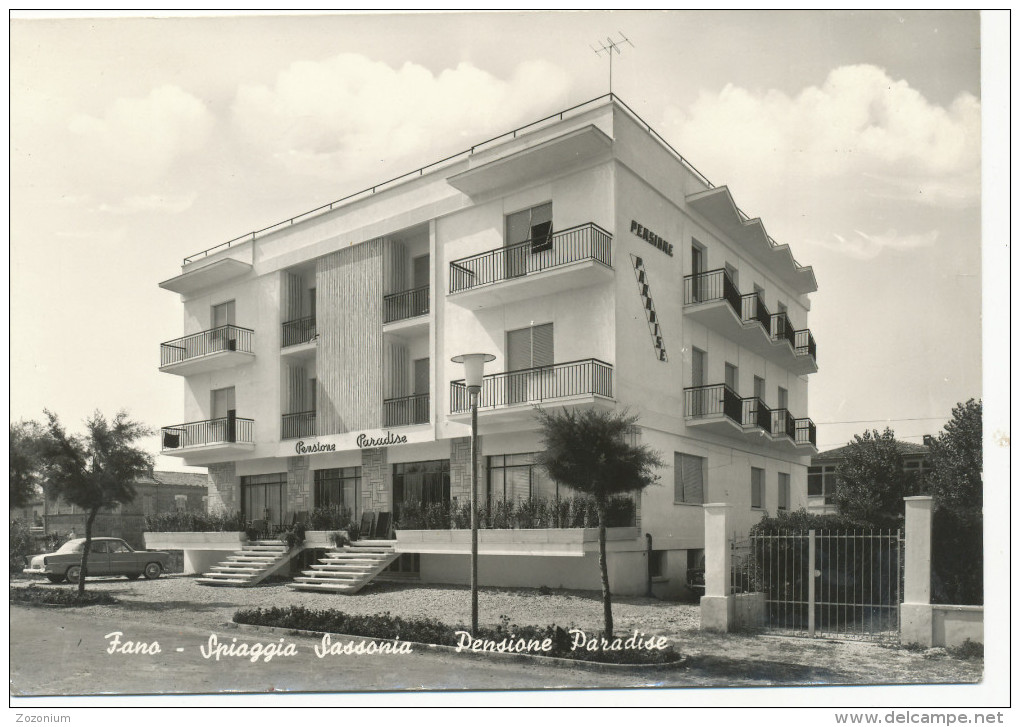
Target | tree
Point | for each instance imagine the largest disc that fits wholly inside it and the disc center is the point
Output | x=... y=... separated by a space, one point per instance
x=26 y=462
x=870 y=481
x=591 y=452
x=97 y=470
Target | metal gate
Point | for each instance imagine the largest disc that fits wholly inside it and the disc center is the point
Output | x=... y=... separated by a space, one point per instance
x=834 y=584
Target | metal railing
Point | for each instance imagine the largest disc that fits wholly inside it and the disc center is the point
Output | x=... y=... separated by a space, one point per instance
x=322 y=209
x=406 y=410
x=406 y=304
x=712 y=400
x=298 y=331
x=782 y=329
x=297 y=425
x=754 y=413
x=783 y=423
x=225 y=430
x=576 y=244
x=754 y=309
x=215 y=340
x=541 y=383
x=711 y=286
x=805 y=432
x=804 y=345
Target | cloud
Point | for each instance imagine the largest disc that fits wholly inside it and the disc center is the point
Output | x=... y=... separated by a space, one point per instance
x=864 y=246
x=137 y=140
x=341 y=114
x=150 y=203
x=858 y=122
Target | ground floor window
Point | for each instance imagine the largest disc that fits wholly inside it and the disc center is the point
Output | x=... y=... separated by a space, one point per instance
x=421 y=483
x=338 y=487
x=822 y=482
x=517 y=477
x=263 y=497
x=657 y=564
x=784 y=491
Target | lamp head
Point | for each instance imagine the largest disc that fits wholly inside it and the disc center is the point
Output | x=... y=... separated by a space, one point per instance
x=474 y=363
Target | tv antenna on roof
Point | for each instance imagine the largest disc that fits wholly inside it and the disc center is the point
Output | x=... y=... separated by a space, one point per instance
x=609 y=47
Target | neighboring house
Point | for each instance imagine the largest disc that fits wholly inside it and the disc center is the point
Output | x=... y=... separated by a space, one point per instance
x=822 y=473
x=596 y=265
x=157 y=493
x=31 y=514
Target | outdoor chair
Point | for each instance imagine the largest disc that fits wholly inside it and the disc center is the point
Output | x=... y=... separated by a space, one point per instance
x=383 y=526
x=368 y=524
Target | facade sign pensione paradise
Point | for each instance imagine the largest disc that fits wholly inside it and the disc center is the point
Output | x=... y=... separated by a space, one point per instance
x=363 y=441
x=650 y=237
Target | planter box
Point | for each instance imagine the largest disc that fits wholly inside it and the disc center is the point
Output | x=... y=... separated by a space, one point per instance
x=537 y=541
x=230 y=540
x=318 y=538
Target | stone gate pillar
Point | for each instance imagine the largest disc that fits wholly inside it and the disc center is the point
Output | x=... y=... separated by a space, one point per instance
x=717 y=607
x=916 y=612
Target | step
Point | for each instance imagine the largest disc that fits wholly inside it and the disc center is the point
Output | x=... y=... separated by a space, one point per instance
x=324 y=587
x=215 y=580
x=325 y=579
x=264 y=549
x=235 y=569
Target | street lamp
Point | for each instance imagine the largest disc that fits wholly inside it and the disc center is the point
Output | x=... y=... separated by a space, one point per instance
x=474 y=363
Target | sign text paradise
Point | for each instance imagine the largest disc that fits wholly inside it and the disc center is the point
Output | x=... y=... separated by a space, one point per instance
x=363 y=441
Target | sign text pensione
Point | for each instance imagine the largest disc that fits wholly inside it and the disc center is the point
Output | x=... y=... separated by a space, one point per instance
x=650 y=237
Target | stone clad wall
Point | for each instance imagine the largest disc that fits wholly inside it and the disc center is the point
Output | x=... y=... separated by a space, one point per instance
x=224 y=488
x=376 y=481
x=460 y=470
x=299 y=485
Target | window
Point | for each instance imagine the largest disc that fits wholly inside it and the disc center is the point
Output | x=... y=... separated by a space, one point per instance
x=222 y=316
x=731 y=376
x=222 y=401
x=262 y=497
x=517 y=477
x=822 y=482
x=783 y=396
x=757 y=488
x=688 y=479
x=421 y=483
x=526 y=350
x=338 y=487
x=784 y=491
x=118 y=547
x=181 y=503
x=534 y=225
x=759 y=388
x=657 y=564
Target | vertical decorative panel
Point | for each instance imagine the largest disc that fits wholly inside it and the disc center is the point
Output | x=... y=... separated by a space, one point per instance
x=395 y=266
x=397 y=365
x=293 y=288
x=350 y=370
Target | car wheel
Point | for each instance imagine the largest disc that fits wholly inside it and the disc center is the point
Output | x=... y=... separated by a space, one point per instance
x=55 y=579
x=133 y=576
x=73 y=573
x=152 y=571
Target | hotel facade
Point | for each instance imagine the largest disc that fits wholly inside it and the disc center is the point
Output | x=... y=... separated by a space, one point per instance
x=598 y=267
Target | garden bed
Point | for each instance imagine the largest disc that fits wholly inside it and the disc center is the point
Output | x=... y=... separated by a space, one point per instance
x=66 y=597
x=549 y=641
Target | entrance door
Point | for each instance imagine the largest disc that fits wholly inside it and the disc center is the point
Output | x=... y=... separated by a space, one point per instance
x=697 y=267
x=420 y=274
x=528 y=231
x=222 y=408
x=697 y=381
x=420 y=402
x=222 y=337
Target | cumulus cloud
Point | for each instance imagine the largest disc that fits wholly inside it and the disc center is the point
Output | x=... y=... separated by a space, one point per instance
x=323 y=118
x=137 y=140
x=864 y=246
x=860 y=121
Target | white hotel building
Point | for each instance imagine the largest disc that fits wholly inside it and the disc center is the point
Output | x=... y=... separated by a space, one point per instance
x=596 y=264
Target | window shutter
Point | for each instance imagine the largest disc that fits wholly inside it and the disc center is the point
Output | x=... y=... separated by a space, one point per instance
x=689 y=484
x=542 y=345
x=518 y=349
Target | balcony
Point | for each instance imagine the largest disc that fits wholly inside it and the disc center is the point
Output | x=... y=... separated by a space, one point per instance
x=406 y=410
x=574 y=258
x=718 y=408
x=512 y=394
x=795 y=434
x=218 y=348
x=712 y=299
x=406 y=310
x=298 y=425
x=299 y=337
x=226 y=435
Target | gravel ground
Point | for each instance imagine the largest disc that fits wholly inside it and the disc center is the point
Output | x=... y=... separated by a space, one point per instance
x=181 y=600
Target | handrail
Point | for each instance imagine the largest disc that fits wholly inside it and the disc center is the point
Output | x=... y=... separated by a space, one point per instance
x=297 y=424
x=252 y=236
x=229 y=429
x=298 y=331
x=406 y=304
x=710 y=286
x=404 y=411
x=215 y=340
x=713 y=399
x=539 y=383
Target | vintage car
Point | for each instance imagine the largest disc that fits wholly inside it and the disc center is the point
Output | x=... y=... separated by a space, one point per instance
x=107 y=557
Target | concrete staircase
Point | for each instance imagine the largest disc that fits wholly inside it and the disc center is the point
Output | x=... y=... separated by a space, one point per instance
x=347 y=570
x=251 y=565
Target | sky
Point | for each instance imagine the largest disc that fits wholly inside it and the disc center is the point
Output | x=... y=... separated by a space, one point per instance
x=854 y=135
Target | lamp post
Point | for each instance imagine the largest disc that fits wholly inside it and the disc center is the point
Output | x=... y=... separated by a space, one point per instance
x=474 y=363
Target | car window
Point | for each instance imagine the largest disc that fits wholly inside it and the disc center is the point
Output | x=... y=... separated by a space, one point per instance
x=119 y=546
x=99 y=547
x=71 y=546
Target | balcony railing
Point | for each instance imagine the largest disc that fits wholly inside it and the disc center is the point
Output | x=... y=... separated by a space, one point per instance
x=406 y=304
x=804 y=344
x=215 y=340
x=753 y=309
x=806 y=433
x=225 y=430
x=406 y=410
x=297 y=425
x=711 y=286
x=783 y=423
x=782 y=329
x=542 y=383
x=298 y=331
x=573 y=245
x=710 y=401
x=754 y=413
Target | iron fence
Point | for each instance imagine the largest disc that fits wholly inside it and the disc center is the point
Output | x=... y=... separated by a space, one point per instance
x=406 y=304
x=224 y=430
x=406 y=410
x=538 y=384
x=713 y=400
x=297 y=425
x=298 y=331
x=782 y=329
x=804 y=344
x=753 y=309
x=711 y=286
x=215 y=340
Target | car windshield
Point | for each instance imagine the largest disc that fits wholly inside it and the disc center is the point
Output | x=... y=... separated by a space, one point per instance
x=72 y=546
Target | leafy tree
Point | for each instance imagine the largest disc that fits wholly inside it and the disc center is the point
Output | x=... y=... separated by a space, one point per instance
x=870 y=481
x=26 y=462
x=591 y=452
x=97 y=470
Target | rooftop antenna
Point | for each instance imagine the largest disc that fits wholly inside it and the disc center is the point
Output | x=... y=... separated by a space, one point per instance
x=608 y=47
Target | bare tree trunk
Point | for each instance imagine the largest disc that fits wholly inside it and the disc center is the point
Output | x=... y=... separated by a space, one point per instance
x=607 y=604
x=86 y=548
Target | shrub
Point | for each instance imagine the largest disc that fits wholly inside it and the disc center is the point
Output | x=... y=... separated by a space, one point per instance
x=60 y=596
x=21 y=545
x=411 y=516
x=195 y=522
x=354 y=531
x=330 y=518
x=967 y=650
x=293 y=536
x=579 y=511
x=432 y=631
x=339 y=539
